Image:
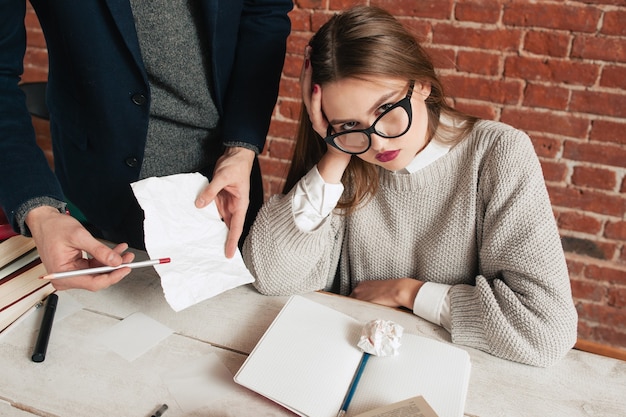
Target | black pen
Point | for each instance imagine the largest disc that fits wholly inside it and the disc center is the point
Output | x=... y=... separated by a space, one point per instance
x=160 y=411
x=39 y=354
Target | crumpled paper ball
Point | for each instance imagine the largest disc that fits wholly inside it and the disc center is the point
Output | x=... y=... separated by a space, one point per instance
x=381 y=337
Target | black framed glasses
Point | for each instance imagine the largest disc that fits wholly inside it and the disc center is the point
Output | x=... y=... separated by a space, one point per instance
x=392 y=123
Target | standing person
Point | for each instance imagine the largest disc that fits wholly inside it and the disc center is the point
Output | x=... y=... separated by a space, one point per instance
x=136 y=89
x=396 y=198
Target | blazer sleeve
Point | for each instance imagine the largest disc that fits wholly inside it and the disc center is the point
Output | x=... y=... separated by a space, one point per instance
x=24 y=171
x=253 y=83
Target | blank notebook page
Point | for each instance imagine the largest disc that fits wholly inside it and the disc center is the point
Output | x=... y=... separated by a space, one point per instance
x=280 y=368
x=437 y=371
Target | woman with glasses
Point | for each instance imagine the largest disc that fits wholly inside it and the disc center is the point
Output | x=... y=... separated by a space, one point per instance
x=396 y=198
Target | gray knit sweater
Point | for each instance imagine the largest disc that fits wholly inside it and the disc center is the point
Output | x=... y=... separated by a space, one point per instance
x=478 y=219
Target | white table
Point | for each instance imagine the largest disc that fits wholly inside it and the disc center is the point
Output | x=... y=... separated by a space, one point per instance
x=80 y=379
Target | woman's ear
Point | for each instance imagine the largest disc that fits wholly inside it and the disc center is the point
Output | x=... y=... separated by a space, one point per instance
x=423 y=89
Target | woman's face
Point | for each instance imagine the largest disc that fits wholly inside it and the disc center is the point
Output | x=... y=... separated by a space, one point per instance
x=354 y=103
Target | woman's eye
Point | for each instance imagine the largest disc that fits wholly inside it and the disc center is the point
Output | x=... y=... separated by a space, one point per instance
x=384 y=108
x=348 y=126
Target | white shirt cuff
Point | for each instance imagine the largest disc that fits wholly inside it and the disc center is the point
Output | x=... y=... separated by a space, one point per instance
x=313 y=200
x=433 y=304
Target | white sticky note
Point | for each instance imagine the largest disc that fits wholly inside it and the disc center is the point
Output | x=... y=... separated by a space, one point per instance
x=133 y=336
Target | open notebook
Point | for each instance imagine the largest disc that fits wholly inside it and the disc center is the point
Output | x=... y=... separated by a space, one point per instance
x=307 y=358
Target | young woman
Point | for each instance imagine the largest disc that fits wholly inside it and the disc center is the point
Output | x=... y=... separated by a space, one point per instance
x=396 y=198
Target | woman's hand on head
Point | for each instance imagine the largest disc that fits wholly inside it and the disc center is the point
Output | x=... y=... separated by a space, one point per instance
x=334 y=162
x=312 y=96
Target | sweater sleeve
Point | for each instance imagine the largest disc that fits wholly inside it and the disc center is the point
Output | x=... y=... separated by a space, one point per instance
x=521 y=306
x=285 y=260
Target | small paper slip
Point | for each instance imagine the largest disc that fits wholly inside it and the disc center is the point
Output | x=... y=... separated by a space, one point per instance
x=133 y=336
x=308 y=357
x=412 y=407
x=193 y=238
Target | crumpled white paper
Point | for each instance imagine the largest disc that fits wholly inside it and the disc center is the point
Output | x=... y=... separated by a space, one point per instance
x=381 y=338
x=194 y=239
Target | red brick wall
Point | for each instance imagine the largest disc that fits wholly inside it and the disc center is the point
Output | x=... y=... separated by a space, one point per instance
x=554 y=69
x=36 y=69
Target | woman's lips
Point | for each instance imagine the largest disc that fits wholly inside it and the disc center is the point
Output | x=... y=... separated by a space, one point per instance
x=387 y=156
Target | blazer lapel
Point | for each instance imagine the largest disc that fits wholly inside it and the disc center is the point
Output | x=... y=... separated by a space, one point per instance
x=122 y=14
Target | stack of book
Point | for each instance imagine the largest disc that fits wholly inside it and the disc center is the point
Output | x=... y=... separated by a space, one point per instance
x=20 y=285
x=5 y=228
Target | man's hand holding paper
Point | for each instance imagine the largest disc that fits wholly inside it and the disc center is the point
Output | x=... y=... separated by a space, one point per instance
x=230 y=188
x=194 y=238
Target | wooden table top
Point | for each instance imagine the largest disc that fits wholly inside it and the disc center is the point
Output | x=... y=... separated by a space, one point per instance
x=81 y=378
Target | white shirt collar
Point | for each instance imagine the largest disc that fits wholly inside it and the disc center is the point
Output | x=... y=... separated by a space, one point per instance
x=431 y=152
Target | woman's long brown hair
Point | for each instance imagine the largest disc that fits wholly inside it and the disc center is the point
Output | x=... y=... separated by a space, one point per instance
x=360 y=43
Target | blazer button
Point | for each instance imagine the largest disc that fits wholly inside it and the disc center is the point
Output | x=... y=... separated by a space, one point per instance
x=131 y=162
x=139 y=99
